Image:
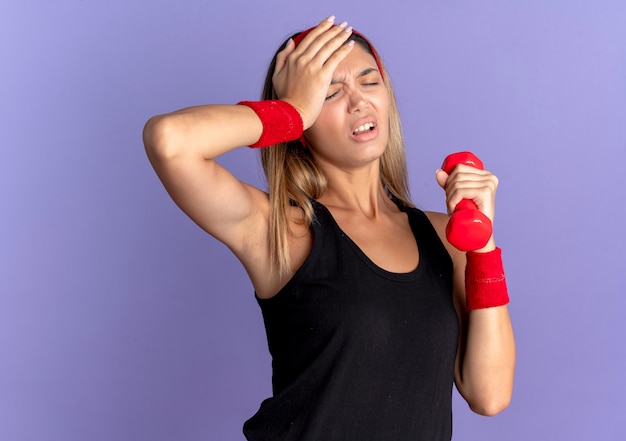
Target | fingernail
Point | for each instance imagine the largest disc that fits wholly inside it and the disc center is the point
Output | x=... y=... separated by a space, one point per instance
x=343 y=24
x=348 y=29
x=330 y=19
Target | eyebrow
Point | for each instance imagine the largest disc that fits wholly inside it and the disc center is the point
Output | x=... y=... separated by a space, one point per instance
x=362 y=74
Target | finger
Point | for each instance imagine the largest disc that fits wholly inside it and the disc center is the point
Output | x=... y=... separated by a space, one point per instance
x=482 y=196
x=441 y=177
x=334 y=55
x=318 y=47
x=454 y=184
x=281 y=58
x=328 y=43
x=322 y=27
x=462 y=180
x=469 y=182
x=482 y=192
x=467 y=172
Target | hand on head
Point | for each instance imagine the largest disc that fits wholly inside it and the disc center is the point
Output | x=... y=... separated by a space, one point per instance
x=303 y=73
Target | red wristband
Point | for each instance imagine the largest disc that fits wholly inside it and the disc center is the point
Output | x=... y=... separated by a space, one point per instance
x=485 y=282
x=281 y=121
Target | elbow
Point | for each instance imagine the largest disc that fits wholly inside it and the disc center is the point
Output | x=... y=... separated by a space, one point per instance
x=490 y=406
x=158 y=138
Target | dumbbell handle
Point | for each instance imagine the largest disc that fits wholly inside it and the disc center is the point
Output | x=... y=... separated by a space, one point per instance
x=468 y=228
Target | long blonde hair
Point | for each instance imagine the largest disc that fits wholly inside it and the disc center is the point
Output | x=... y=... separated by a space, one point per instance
x=295 y=179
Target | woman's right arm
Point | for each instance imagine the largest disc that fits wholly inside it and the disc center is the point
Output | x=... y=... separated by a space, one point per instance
x=182 y=147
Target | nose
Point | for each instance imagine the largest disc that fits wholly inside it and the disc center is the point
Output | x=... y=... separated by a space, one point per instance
x=356 y=101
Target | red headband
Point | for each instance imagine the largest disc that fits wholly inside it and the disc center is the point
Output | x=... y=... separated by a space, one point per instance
x=298 y=39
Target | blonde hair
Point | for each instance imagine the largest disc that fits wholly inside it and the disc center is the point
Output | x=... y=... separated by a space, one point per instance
x=295 y=179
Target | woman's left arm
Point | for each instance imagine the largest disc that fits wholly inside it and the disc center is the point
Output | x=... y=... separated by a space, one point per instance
x=485 y=362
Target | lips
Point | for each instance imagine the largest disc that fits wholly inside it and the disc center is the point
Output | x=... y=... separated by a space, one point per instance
x=363 y=128
x=364 y=124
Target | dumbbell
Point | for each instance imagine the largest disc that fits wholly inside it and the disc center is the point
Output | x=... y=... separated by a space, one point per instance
x=468 y=228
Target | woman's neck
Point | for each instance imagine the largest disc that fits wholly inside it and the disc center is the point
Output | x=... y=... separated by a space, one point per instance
x=359 y=191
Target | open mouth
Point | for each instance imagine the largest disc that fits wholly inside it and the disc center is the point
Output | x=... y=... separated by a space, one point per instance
x=367 y=127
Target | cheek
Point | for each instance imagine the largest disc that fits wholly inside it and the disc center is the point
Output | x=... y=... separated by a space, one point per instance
x=330 y=115
x=384 y=112
x=327 y=125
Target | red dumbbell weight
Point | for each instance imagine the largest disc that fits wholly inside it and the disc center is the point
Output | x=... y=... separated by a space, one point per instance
x=468 y=228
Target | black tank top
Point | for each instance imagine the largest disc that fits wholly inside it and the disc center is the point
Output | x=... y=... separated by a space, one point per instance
x=358 y=352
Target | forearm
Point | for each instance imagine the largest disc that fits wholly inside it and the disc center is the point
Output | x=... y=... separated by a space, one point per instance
x=485 y=362
x=486 y=369
x=205 y=132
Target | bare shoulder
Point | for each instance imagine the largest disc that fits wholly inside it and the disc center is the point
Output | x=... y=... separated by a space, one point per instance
x=439 y=222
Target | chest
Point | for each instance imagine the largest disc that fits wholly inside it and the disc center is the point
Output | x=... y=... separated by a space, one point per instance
x=343 y=303
x=388 y=242
x=371 y=279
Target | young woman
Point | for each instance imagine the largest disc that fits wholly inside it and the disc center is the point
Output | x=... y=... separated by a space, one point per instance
x=370 y=315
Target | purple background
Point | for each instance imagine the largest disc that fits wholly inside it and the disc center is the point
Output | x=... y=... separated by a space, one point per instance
x=121 y=320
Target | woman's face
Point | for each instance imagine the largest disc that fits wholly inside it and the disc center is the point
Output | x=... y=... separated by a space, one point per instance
x=352 y=129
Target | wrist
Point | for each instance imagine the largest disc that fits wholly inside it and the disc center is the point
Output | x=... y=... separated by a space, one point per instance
x=489 y=247
x=305 y=120
x=485 y=281
x=282 y=122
